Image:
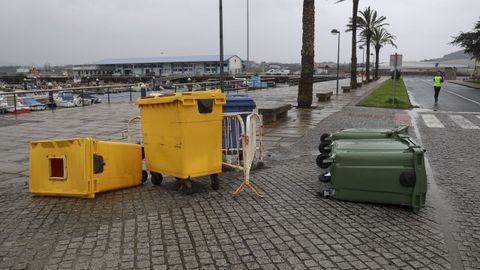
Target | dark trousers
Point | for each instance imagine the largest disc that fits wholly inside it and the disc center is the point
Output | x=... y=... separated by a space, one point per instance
x=437 y=92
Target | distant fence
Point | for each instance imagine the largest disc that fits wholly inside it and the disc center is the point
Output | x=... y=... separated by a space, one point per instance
x=14 y=94
x=78 y=90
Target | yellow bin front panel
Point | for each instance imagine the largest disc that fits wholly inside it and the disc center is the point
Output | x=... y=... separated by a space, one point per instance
x=66 y=167
x=179 y=140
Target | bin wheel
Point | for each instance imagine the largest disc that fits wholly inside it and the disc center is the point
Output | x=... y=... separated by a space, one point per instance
x=215 y=181
x=324 y=136
x=320 y=159
x=157 y=178
x=260 y=165
x=324 y=178
x=322 y=147
x=144 y=176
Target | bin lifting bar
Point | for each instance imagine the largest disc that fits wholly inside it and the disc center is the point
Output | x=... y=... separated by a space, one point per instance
x=129 y=137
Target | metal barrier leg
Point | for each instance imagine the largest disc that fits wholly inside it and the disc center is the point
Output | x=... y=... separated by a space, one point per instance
x=239 y=137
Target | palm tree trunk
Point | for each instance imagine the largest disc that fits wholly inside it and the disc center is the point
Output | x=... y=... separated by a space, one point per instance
x=367 y=62
x=377 y=57
x=305 y=86
x=353 y=73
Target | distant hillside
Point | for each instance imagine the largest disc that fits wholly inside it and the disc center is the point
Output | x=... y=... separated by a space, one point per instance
x=451 y=56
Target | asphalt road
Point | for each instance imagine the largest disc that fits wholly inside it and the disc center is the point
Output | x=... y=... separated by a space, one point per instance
x=453 y=97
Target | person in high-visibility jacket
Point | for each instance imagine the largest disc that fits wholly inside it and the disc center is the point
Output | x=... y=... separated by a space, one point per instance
x=437 y=84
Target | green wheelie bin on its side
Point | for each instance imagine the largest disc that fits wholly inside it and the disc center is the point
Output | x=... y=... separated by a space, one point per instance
x=389 y=171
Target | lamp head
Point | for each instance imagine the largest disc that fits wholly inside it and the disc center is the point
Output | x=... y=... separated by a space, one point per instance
x=335 y=31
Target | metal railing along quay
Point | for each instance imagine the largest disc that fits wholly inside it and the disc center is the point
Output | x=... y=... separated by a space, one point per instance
x=229 y=86
x=81 y=90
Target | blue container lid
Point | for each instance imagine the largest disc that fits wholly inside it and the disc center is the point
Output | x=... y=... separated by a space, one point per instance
x=240 y=101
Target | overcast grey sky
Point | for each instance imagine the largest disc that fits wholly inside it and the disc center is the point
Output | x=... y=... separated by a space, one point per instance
x=84 y=31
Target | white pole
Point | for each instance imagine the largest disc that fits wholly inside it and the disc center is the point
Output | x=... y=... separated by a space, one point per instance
x=247 y=66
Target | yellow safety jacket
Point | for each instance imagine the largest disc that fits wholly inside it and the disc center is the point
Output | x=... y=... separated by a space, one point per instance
x=437 y=81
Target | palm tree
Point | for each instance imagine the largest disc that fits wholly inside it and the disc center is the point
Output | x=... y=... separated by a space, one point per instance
x=305 y=86
x=353 y=72
x=380 y=38
x=367 y=22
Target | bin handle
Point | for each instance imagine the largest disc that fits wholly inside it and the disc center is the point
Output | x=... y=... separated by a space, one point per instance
x=205 y=105
x=220 y=100
x=411 y=143
x=98 y=164
x=188 y=101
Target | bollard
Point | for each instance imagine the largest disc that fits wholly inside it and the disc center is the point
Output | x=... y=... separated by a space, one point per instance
x=108 y=94
x=143 y=91
x=130 y=91
x=50 y=95
x=14 y=102
x=83 y=99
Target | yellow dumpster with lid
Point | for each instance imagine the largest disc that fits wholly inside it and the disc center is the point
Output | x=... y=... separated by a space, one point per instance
x=182 y=135
x=82 y=167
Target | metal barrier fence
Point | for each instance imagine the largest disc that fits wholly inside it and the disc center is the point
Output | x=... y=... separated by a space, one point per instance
x=242 y=145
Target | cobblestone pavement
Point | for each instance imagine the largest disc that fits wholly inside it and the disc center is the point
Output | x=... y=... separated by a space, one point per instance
x=155 y=227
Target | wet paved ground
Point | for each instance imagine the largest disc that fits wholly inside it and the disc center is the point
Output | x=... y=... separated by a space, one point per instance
x=151 y=227
x=451 y=132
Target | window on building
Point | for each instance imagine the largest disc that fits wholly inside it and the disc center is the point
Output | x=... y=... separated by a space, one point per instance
x=188 y=68
x=177 y=68
x=210 y=68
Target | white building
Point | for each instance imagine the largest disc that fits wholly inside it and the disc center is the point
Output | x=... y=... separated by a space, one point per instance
x=23 y=70
x=162 y=66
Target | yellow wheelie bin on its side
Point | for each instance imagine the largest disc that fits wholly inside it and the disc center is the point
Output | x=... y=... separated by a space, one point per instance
x=81 y=167
x=182 y=135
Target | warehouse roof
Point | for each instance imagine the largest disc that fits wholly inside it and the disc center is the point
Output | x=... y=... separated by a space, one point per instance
x=164 y=59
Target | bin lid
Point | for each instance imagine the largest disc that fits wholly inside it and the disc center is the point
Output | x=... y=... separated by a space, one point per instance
x=239 y=100
x=184 y=97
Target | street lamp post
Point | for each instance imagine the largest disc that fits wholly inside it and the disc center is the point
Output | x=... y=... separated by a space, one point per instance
x=221 y=43
x=373 y=64
x=247 y=66
x=363 y=60
x=153 y=83
x=336 y=32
